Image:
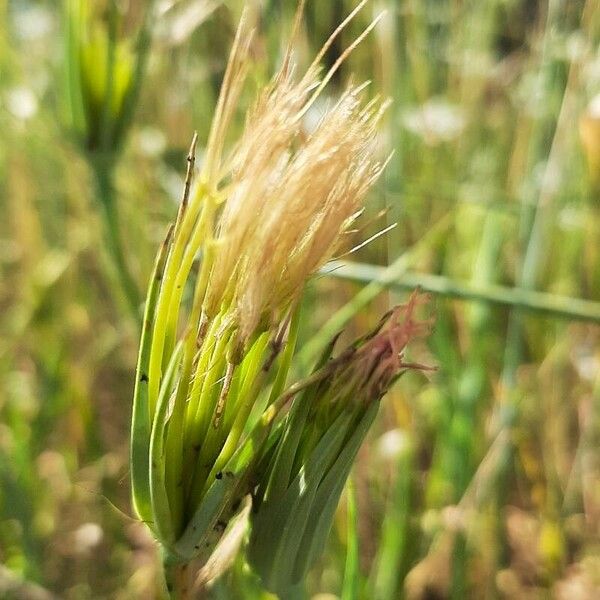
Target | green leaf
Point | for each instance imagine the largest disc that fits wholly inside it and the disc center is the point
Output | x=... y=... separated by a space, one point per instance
x=279 y=525
x=328 y=495
x=391 y=562
x=163 y=523
x=285 y=455
x=73 y=27
x=222 y=494
x=286 y=358
x=141 y=419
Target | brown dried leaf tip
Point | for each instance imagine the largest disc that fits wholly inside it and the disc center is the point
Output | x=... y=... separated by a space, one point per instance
x=373 y=363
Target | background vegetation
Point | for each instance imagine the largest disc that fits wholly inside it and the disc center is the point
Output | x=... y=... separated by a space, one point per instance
x=482 y=481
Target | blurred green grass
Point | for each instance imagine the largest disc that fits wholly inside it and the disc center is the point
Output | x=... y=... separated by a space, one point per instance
x=482 y=482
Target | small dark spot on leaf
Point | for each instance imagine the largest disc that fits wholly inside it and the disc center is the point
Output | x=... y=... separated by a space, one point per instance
x=220 y=526
x=144 y=377
x=219 y=475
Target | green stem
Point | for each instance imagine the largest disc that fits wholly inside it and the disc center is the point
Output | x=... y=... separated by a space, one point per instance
x=517 y=297
x=106 y=194
x=178 y=579
x=351 y=571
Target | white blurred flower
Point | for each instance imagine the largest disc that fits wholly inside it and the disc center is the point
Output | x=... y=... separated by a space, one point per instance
x=594 y=107
x=152 y=141
x=392 y=444
x=32 y=23
x=586 y=362
x=436 y=121
x=21 y=102
x=87 y=536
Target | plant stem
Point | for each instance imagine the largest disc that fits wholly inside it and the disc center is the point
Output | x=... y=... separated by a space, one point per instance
x=103 y=172
x=517 y=297
x=177 y=577
x=351 y=571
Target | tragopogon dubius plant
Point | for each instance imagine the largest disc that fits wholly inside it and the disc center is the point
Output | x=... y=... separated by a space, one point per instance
x=209 y=427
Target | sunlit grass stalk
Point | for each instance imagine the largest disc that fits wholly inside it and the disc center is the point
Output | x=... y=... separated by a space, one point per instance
x=527 y=300
x=396 y=544
x=350 y=588
x=473 y=384
x=536 y=216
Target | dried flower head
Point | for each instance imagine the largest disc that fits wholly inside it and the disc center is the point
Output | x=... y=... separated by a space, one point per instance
x=377 y=360
x=287 y=196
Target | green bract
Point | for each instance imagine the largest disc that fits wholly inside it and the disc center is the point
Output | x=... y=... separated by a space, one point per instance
x=100 y=77
x=316 y=447
x=190 y=466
